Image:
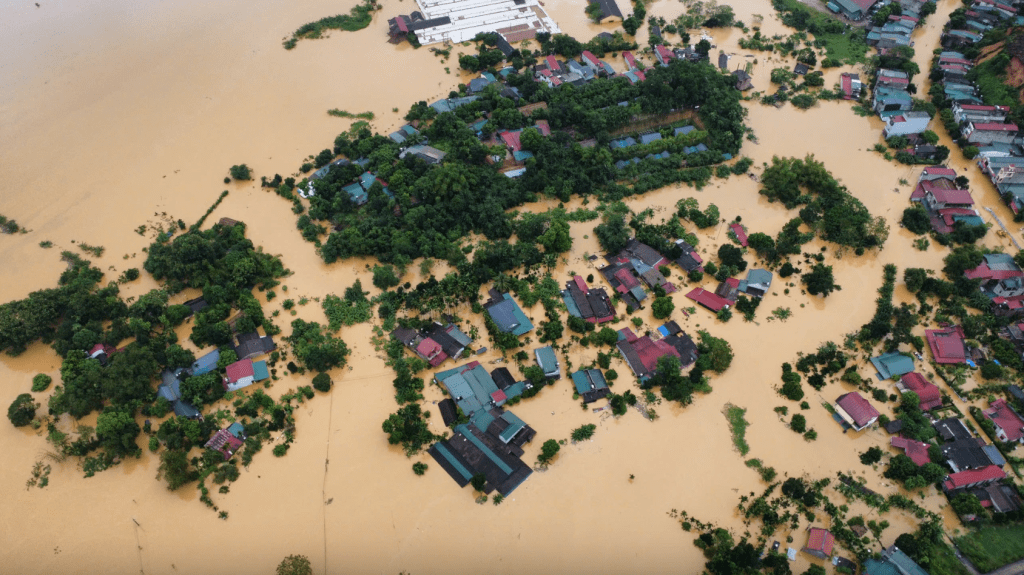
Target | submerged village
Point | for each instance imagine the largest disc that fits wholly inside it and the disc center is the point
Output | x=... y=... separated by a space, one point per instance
x=516 y=279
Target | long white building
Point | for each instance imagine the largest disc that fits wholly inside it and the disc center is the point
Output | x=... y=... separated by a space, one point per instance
x=514 y=19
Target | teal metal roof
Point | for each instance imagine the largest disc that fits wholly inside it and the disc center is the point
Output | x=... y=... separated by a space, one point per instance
x=482 y=419
x=514 y=427
x=546 y=359
x=515 y=390
x=447 y=455
x=574 y=310
x=260 y=371
x=584 y=379
x=893 y=363
x=236 y=429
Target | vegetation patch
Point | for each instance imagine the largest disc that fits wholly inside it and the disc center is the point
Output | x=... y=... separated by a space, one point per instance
x=993 y=546
x=738 y=426
x=357 y=19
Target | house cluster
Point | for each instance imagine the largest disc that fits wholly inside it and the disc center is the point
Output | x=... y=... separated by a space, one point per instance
x=1002 y=280
x=636 y=263
x=435 y=343
x=944 y=200
x=487 y=439
x=652 y=137
x=555 y=72
x=227 y=440
x=585 y=302
x=643 y=352
x=756 y=284
x=892 y=101
x=506 y=314
x=980 y=17
x=977 y=468
x=455 y=22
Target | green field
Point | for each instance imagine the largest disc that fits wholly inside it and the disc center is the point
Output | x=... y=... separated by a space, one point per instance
x=992 y=547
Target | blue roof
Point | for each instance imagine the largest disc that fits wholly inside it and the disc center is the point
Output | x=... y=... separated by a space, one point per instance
x=683 y=130
x=648 y=138
x=893 y=363
x=236 y=429
x=260 y=370
x=515 y=390
x=663 y=331
x=587 y=380
x=993 y=455
x=206 y=363
x=546 y=359
x=622 y=143
x=489 y=76
x=570 y=304
x=509 y=317
x=522 y=155
x=639 y=293
x=514 y=427
x=356 y=192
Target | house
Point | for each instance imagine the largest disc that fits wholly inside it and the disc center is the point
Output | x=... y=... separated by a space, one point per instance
x=642 y=353
x=252 y=344
x=987 y=133
x=892 y=562
x=206 y=363
x=644 y=261
x=1000 y=275
x=819 y=543
x=590 y=384
x=428 y=154
x=226 y=442
x=609 y=11
x=892 y=364
x=855 y=410
x=689 y=260
x=710 y=300
x=740 y=232
x=915 y=450
x=757 y=283
x=548 y=362
x=650 y=138
x=506 y=314
x=449 y=413
x=1008 y=423
x=952 y=429
x=971 y=113
x=196 y=305
x=957 y=482
x=947 y=345
x=663 y=55
x=400 y=27
x=850 y=86
x=889 y=100
x=591 y=304
x=452 y=340
x=102 y=353
x=239 y=374
x=630 y=61
x=590 y=61
x=431 y=351
x=723 y=61
x=399 y=137
x=801 y=69
x=928 y=393
x=964 y=454
x=1016 y=393
x=743 y=80
x=170 y=389
x=999 y=498
x=905 y=124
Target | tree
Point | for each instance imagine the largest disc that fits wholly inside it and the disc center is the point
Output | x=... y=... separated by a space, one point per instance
x=295 y=565
x=557 y=238
x=715 y=353
x=914 y=278
x=41 y=381
x=384 y=277
x=116 y=429
x=22 y=410
x=408 y=428
x=815 y=569
x=322 y=382
x=240 y=172
x=819 y=280
x=803 y=101
x=419 y=468
x=548 y=452
x=798 y=423
x=175 y=468
x=791 y=388
x=967 y=504
x=732 y=256
x=317 y=350
x=872 y=455
x=916 y=220
x=662 y=307
x=479 y=482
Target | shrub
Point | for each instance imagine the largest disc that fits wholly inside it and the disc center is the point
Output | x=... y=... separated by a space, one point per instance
x=280 y=450
x=872 y=455
x=798 y=423
x=548 y=452
x=419 y=468
x=240 y=172
x=584 y=432
x=41 y=381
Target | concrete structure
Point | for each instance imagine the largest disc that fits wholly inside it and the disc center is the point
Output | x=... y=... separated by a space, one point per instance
x=905 y=124
x=459 y=21
x=987 y=133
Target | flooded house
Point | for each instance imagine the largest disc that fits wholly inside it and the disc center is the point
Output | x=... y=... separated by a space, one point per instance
x=585 y=302
x=1000 y=276
x=915 y=450
x=892 y=364
x=1008 y=423
x=590 y=384
x=855 y=410
x=642 y=352
x=948 y=345
x=927 y=392
x=892 y=562
x=820 y=542
x=506 y=314
x=548 y=362
x=608 y=11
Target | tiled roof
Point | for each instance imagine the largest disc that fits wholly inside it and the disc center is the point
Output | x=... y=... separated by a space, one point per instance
x=1002 y=415
x=708 y=299
x=972 y=476
x=948 y=196
x=819 y=539
x=240 y=369
x=915 y=450
x=947 y=345
x=741 y=234
x=929 y=394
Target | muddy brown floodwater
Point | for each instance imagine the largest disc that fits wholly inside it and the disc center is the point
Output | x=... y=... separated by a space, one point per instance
x=119 y=114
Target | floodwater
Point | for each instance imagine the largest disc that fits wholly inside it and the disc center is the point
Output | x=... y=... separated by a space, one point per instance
x=118 y=114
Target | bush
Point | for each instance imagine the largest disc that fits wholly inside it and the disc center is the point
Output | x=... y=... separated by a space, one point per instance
x=662 y=307
x=384 y=277
x=419 y=468
x=322 y=382
x=916 y=220
x=41 y=381
x=295 y=565
x=22 y=410
x=991 y=370
x=280 y=450
x=584 y=432
x=548 y=452
x=872 y=455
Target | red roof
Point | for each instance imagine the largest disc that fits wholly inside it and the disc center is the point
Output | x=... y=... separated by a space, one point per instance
x=630 y=60
x=553 y=64
x=821 y=540
x=1015 y=302
x=708 y=299
x=930 y=395
x=498 y=396
x=627 y=279
x=630 y=336
x=734 y=282
x=556 y=81
x=1011 y=423
x=511 y=140
x=663 y=53
x=947 y=344
x=99 y=347
x=741 y=234
x=240 y=369
x=973 y=476
x=581 y=284
x=939 y=171
x=650 y=351
x=542 y=127
x=993 y=127
x=980 y=108
x=915 y=450
x=590 y=57
x=857 y=408
x=985 y=272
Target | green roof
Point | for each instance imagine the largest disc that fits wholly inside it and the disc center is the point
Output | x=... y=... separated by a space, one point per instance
x=893 y=363
x=260 y=371
x=447 y=455
x=468 y=434
x=584 y=378
x=546 y=359
x=515 y=425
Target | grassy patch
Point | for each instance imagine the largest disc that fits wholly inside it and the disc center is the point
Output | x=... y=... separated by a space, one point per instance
x=738 y=425
x=357 y=19
x=848 y=48
x=992 y=547
x=344 y=114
